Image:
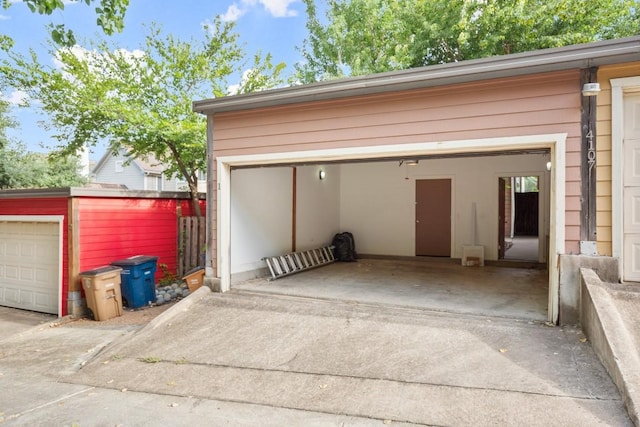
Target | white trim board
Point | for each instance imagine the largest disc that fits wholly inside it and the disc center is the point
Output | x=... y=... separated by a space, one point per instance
x=556 y=143
x=46 y=218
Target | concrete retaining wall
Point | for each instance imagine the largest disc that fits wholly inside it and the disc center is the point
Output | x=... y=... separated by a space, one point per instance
x=610 y=339
x=605 y=267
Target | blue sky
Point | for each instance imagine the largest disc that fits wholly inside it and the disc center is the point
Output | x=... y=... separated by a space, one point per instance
x=275 y=26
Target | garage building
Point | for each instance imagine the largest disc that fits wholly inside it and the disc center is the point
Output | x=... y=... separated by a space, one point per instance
x=467 y=128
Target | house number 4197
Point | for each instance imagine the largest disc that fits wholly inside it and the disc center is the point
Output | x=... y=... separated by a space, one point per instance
x=591 y=152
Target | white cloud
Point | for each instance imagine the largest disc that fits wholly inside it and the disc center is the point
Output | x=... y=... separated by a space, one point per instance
x=233 y=89
x=4 y=17
x=233 y=13
x=276 y=8
x=279 y=8
x=135 y=53
x=17 y=97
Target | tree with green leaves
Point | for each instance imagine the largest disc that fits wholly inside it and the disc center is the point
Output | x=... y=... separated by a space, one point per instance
x=140 y=100
x=6 y=122
x=370 y=36
x=20 y=168
x=109 y=16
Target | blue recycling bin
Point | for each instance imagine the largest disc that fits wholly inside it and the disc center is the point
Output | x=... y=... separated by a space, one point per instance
x=137 y=280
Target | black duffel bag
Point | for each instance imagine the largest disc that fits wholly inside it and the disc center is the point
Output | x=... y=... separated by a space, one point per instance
x=344 y=247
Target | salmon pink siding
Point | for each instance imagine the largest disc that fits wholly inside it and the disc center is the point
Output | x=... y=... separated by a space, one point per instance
x=45 y=206
x=541 y=104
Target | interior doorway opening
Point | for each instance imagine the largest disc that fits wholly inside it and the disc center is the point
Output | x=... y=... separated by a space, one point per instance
x=519 y=218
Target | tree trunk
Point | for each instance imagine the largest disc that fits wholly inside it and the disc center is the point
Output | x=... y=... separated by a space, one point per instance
x=195 y=199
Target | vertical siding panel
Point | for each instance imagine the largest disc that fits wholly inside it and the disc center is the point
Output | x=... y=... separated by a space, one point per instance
x=604 y=143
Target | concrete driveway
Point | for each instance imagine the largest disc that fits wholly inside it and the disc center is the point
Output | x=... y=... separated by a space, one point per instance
x=15 y=322
x=255 y=359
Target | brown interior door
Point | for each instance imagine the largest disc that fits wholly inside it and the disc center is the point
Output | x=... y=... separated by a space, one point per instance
x=433 y=217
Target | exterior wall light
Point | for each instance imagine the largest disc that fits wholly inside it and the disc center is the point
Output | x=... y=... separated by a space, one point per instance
x=548 y=166
x=590 y=89
x=321 y=174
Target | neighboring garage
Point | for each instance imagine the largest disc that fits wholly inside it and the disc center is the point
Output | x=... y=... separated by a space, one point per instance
x=49 y=236
x=471 y=126
x=31 y=262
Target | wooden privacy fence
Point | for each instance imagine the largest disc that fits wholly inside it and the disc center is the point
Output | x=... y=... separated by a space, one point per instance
x=191 y=243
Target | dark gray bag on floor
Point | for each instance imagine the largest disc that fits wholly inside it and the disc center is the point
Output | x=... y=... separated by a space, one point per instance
x=345 y=247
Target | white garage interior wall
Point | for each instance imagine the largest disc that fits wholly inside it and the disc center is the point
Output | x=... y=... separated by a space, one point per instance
x=261 y=209
x=378 y=200
x=373 y=200
x=318 y=206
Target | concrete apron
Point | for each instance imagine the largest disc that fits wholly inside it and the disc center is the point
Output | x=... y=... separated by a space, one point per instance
x=377 y=362
x=15 y=322
x=426 y=283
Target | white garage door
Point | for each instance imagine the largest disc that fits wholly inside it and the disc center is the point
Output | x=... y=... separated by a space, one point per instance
x=30 y=265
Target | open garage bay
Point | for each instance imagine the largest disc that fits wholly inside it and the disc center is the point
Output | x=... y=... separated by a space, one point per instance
x=430 y=284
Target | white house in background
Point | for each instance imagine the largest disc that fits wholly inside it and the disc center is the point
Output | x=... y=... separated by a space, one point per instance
x=138 y=174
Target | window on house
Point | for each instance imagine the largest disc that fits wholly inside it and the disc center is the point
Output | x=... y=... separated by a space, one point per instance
x=119 y=166
x=202 y=176
x=154 y=183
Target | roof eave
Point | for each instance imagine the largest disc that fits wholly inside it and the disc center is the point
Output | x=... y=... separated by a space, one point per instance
x=66 y=192
x=534 y=62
